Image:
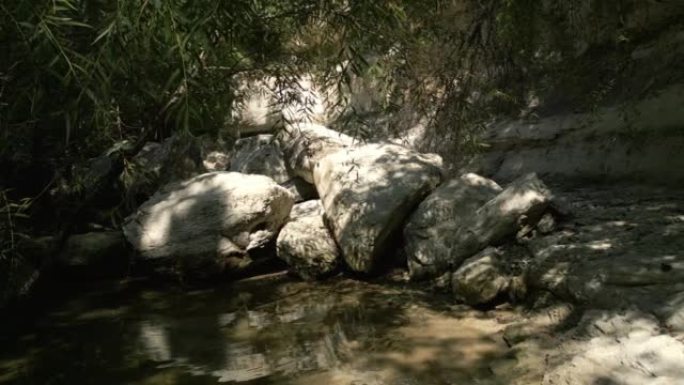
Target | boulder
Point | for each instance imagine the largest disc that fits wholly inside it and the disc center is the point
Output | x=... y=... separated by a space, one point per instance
x=429 y=231
x=305 y=243
x=480 y=279
x=95 y=179
x=547 y=224
x=177 y=158
x=307 y=209
x=215 y=153
x=368 y=192
x=305 y=144
x=262 y=155
x=95 y=255
x=207 y=224
x=215 y=161
x=520 y=205
x=157 y=164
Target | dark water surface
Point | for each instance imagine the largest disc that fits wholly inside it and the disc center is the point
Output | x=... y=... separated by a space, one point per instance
x=272 y=330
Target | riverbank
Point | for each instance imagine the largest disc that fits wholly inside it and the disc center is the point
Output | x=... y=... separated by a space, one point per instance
x=279 y=329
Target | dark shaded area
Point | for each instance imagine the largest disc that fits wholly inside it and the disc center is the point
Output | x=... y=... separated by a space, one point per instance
x=267 y=331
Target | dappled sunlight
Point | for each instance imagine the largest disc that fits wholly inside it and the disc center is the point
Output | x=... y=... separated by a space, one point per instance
x=368 y=192
x=266 y=103
x=349 y=192
x=602 y=259
x=275 y=330
x=600 y=245
x=627 y=348
x=513 y=202
x=207 y=224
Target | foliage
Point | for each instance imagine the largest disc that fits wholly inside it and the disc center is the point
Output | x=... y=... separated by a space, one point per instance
x=80 y=75
x=12 y=214
x=13 y=217
x=465 y=63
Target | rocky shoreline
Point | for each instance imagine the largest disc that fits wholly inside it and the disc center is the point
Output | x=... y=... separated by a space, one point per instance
x=584 y=270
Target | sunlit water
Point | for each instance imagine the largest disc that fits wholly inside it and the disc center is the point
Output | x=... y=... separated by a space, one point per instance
x=266 y=331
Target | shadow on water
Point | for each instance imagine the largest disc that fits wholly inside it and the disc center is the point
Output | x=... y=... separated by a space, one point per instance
x=273 y=330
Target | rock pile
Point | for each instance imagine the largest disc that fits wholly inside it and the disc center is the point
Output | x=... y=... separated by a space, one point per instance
x=364 y=207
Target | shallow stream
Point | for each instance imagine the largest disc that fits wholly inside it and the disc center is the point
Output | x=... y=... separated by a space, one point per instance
x=273 y=330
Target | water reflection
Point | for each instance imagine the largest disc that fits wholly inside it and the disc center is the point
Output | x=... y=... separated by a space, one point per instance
x=299 y=334
x=262 y=332
x=155 y=341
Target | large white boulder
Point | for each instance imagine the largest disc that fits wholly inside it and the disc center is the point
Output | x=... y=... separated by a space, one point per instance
x=428 y=234
x=368 y=192
x=305 y=243
x=207 y=223
x=305 y=144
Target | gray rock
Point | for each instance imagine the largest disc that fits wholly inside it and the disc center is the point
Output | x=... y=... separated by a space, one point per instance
x=95 y=254
x=305 y=243
x=547 y=224
x=368 y=192
x=429 y=231
x=307 y=209
x=157 y=164
x=215 y=153
x=305 y=144
x=216 y=161
x=261 y=155
x=481 y=278
x=521 y=204
x=610 y=265
x=37 y=250
x=179 y=158
x=206 y=224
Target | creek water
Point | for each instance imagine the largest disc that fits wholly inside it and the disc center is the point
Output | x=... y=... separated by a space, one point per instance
x=272 y=330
